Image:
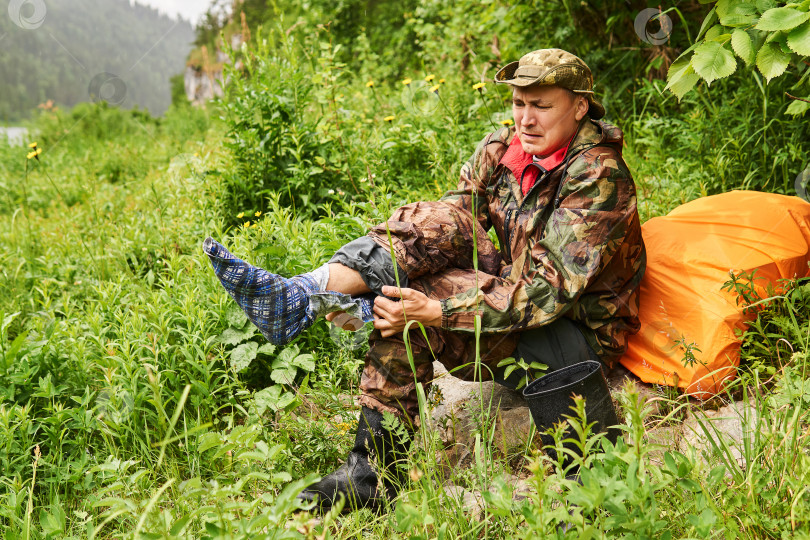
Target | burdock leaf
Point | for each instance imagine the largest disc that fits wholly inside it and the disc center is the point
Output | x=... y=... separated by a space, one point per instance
x=285 y=357
x=232 y=336
x=305 y=362
x=243 y=355
x=284 y=375
x=236 y=317
x=267 y=398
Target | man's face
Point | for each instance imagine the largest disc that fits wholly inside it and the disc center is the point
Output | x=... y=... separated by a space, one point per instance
x=546 y=117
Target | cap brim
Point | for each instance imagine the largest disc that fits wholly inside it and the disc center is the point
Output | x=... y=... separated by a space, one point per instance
x=595 y=109
x=506 y=73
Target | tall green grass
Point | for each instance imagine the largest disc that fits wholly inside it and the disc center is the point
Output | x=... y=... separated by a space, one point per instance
x=125 y=410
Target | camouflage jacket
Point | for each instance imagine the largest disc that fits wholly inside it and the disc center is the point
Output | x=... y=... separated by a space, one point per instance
x=571 y=247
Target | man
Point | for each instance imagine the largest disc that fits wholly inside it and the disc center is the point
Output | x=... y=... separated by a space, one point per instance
x=561 y=290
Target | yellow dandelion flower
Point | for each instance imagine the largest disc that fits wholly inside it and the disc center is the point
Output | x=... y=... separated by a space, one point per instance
x=369 y=84
x=478 y=86
x=247 y=224
x=257 y=214
x=34 y=154
x=253 y=226
x=507 y=122
x=435 y=89
x=407 y=82
x=32 y=145
x=441 y=81
x=430 y=77
x=389 y=118
x=240 y=215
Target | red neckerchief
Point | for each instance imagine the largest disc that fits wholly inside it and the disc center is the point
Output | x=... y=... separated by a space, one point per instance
x=517 y=160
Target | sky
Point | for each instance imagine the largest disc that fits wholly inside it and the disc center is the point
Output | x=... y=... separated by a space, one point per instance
x=190 y=10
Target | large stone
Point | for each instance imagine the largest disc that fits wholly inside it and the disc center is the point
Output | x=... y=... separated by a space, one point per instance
x=729 y=425
x=470 y=502
x=458 y=412
x=621 y=378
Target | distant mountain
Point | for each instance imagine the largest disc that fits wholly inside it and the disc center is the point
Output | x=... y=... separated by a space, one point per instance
x=70 y=51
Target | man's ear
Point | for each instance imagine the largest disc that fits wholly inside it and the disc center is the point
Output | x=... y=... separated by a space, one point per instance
x=582 y=108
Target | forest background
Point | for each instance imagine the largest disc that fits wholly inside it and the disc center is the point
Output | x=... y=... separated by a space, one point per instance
x=136 y=401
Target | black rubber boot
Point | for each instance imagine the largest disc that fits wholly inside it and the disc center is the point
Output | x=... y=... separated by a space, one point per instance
x=551 y=397
x=356 y=480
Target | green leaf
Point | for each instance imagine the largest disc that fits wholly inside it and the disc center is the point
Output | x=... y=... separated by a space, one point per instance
x=267 y=398
x=285 y=357
x=232 y=336
x=214 y=530
x=799 y=39
x=710 y=18
x=680 y=64
x=508 y=371
x=684 y=81
x=208 y=440
x=281 y=478
x=765 y=5
x=781 y=18
x=236 y=317
x=771 y=61
x=180 y=524
x=798 y=108
x=243 y=355
x=713 y=61
x=738 y=14
x=305 y=362
x=743 y=46
x=713 y=33
x=267 y=348
x=284 y=375
x=287 y=398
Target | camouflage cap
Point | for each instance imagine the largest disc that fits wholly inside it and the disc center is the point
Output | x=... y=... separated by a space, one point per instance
x=553 y=67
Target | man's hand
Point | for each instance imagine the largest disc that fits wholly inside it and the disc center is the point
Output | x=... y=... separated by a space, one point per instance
x=389 y=316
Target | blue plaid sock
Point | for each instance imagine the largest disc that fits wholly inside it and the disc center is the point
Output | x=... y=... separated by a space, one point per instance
x=281 y=308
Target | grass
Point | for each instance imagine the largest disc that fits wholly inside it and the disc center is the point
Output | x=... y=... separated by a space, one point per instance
x=126 y=410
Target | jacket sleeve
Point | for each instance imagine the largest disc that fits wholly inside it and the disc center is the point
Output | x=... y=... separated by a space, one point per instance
x=596 y=205
x=475 y=176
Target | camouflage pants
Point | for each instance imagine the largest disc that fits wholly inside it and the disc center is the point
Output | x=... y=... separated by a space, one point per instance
x=433 y=246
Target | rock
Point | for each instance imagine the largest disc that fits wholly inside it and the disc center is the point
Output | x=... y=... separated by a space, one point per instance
x=730 y=424
x=522 y=488
x=620 y=377
x=662 y=439
x=468 y=500
x=456 y=415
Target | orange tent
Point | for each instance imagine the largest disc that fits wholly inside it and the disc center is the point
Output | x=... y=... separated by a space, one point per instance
x=689 y=255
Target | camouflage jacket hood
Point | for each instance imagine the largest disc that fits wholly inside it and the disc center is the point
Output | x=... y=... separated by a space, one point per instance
x=570 y=247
